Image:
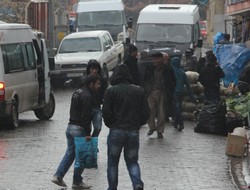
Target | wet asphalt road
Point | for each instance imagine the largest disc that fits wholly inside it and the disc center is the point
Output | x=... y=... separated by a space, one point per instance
x=30 y=155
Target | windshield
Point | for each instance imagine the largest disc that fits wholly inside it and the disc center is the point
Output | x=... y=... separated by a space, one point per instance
x=80 y=45
x=100 y=18
x=178 y=33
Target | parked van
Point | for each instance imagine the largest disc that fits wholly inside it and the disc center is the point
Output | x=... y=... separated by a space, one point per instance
x=102 y=15
x=171 y=28
x=24 y=75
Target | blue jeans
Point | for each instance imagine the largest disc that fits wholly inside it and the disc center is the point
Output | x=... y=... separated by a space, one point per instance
x=97 y=121
x=178 y=97
x=119 y=139
x=69 y=157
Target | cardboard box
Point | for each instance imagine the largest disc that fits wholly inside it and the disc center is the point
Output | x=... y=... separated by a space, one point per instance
x=236 y=145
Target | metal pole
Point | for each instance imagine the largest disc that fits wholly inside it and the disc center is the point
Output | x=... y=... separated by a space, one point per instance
x=51 y=27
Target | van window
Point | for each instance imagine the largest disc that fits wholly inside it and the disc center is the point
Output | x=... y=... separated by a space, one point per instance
x=104 y=42
x=13 y=56
x=109 y=41
x=31 y=56
x=100 y=18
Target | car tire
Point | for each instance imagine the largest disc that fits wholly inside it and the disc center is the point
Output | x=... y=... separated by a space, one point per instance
x=47 y=111
x=12 y=121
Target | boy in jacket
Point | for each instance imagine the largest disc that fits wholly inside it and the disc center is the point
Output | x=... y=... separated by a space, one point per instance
x=182 y=84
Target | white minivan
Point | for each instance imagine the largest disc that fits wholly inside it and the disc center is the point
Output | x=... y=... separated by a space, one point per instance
x=102 y=15
x=24 y=75
x=171 y=28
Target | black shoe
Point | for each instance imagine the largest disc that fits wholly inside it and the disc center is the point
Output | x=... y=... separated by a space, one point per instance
x=138 y=187
x=180 y=127
x=160 y=136
x=150 y=132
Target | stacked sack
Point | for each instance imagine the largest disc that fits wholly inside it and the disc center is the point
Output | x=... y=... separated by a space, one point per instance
x=189 y=109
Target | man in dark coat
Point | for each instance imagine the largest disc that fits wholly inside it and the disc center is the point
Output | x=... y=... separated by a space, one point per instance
x=158 y=80
x=131 y=62
x=124 y=110
x=209 y=77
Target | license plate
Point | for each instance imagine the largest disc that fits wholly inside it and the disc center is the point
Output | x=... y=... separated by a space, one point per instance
x=74 y=74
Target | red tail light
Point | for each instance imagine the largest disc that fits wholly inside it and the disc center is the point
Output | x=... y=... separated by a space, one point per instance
x=2 y=91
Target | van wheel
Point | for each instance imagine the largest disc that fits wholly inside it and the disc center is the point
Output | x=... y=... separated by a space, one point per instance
x=12 y=122
x=46 y=112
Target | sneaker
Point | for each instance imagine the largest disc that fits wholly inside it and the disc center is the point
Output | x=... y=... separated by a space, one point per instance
x=160 y=136
x=150 y=132
x=138 y=187
x=180 y=127
x=81 y=186
x=59 y=181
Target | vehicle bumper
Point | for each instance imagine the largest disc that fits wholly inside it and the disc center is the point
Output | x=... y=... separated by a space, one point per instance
x=66 y=75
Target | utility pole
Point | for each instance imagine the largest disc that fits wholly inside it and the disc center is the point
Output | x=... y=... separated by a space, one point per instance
x=51 y=27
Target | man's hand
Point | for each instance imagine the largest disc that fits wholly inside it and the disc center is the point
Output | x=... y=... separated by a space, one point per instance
x=87 y=138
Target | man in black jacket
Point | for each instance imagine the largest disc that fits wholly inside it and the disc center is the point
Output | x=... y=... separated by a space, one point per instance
x=209 y=77
x=79 y=126
x=131 y=62
x=124 y=111
x=94 y=67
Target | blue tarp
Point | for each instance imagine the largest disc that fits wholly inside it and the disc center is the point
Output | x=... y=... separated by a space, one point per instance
x=232 y=59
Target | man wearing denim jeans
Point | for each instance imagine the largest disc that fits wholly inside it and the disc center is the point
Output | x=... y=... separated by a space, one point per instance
x=94 y=68
x=79 y=126
x=124 y=110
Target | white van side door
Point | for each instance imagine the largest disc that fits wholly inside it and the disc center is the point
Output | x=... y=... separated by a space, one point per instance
x=46 y=70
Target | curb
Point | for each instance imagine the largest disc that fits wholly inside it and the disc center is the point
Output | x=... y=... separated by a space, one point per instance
x=240 y=170
x=245 y=171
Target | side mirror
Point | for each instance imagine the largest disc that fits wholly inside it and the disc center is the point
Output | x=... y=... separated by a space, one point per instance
x=51 y=63
x=200 y=43
x=54 y=51
x=107 y=47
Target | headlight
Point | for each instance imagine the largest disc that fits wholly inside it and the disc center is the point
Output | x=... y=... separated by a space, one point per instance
x=183 y=60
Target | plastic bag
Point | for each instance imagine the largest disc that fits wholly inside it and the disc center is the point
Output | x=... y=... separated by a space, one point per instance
x=86 y=152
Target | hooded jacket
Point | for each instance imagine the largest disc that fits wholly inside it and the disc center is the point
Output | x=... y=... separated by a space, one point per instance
x=182 y=82
x=125 y=104
x=132 y=65
x=98 y=96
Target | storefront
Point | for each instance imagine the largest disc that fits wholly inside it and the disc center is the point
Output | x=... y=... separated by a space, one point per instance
x=240 y=9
